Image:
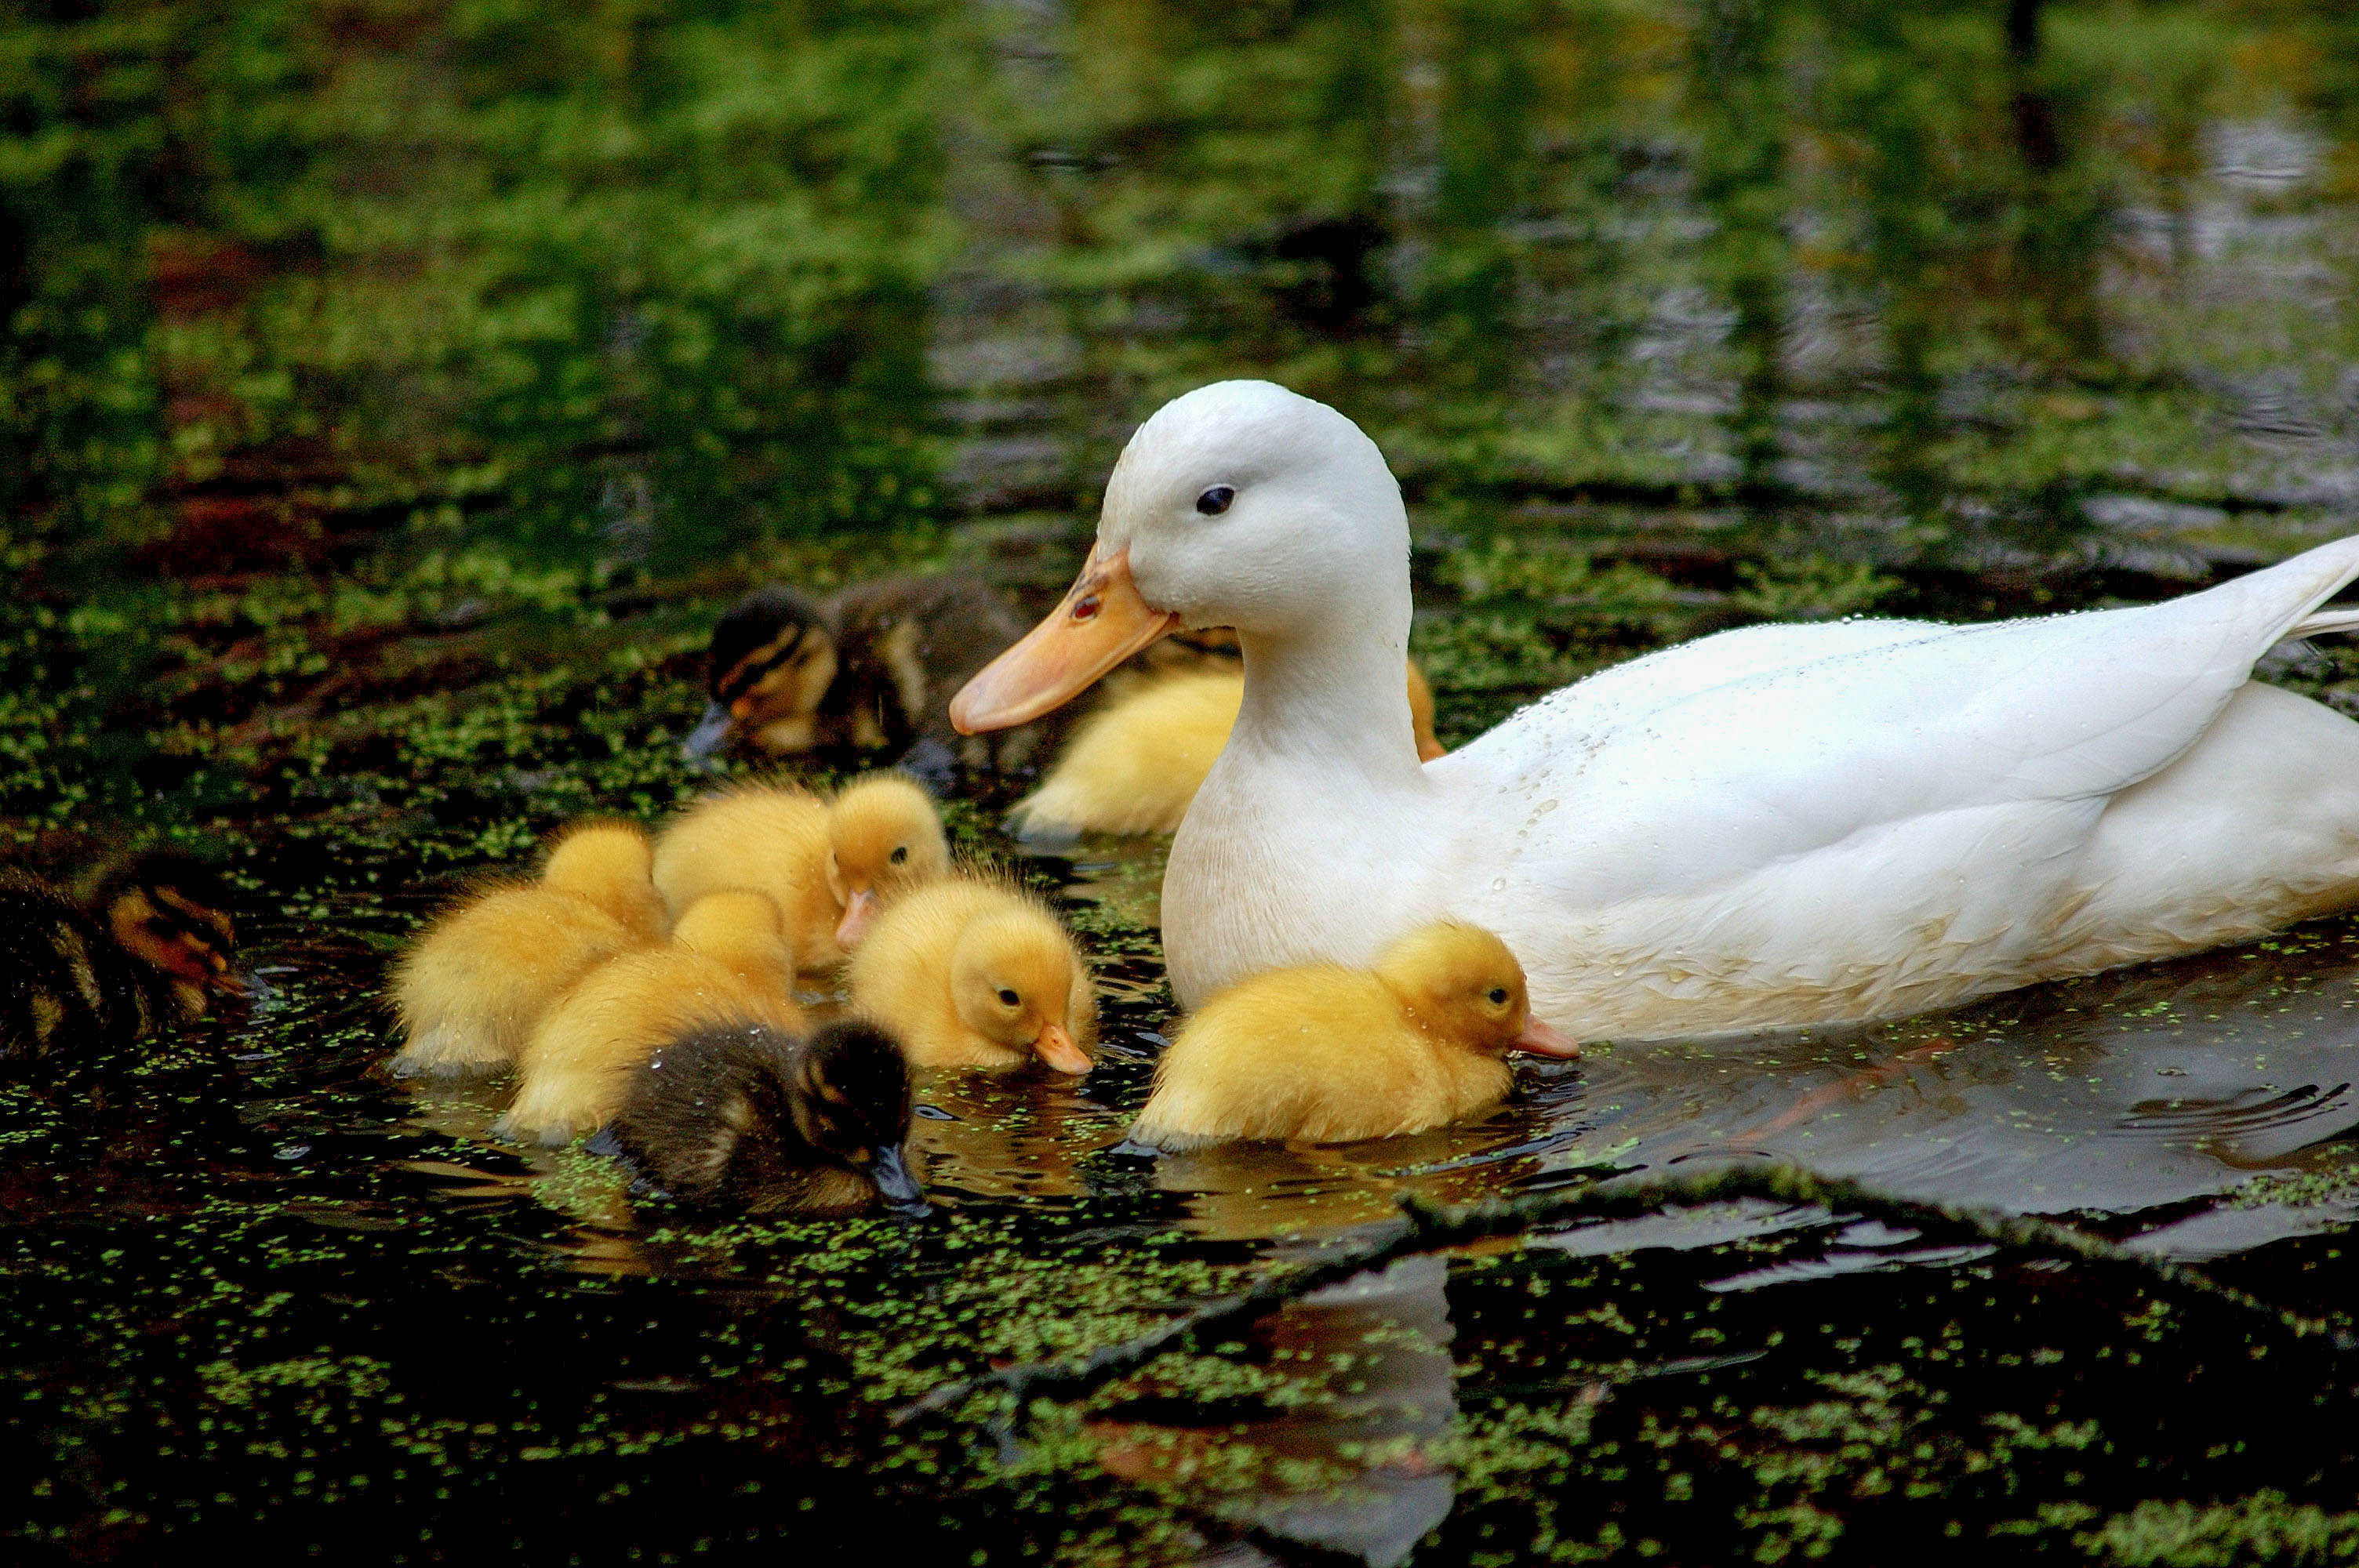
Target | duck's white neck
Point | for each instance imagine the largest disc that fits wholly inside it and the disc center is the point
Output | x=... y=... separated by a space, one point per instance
x=1306 y=840
x=1335 y=698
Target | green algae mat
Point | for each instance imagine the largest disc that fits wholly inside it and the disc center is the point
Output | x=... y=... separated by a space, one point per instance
x=393 y=392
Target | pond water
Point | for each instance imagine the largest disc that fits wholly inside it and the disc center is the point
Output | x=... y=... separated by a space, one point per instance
x=394 y=391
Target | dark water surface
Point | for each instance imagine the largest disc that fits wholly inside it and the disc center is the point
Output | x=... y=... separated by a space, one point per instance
x=392 y=391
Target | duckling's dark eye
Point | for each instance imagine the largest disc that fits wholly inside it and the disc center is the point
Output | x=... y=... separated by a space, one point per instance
x=1008 y=997
x=1215 y=500
x=1496 y=996
x=900 y=854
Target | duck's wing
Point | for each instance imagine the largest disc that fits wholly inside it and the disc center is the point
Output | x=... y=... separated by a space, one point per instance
x=1728 y=756
x=1676 y=674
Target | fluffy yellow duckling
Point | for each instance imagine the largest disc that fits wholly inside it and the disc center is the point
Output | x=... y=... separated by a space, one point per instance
x=972 y=974
x=726 y=963
x=829 y=866
x=1135 y=766
x=1329 y=1054
x=469 y=990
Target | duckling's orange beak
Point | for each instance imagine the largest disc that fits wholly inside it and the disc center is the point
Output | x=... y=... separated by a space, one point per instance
x=1056 y=1047
x=1541 y=1041
x=1102 y=621
x=859 y=911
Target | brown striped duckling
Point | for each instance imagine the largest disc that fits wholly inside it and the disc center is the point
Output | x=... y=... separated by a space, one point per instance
x=150 y=943
x=1135 y=765
x=873 y=667
x=969 y=973
x=472 y=985
x=828 y=865
x=747 y=1117
x=769 y=670
x=727 y=962
x=1329 y=1054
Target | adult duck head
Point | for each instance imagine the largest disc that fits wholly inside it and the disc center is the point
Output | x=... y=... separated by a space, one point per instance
x=1239 y=505
x=1315 y=835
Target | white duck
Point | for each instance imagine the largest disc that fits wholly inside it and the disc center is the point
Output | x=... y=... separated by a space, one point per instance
x=1781 y=825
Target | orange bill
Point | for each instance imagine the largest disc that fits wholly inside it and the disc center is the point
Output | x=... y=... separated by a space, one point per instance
x=1102 y=621
x=1056 y=1047
x=1541 y=1041
x=859 y=913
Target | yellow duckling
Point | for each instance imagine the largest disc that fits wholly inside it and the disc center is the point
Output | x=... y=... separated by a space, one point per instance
x=972 y=974
x=727 y=963
x=469 y=990
x=1329 y=1054
x=1134 y=767
x=829 y=866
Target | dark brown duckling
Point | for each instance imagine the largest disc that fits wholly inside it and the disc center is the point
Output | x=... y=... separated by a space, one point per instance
x=874 y=668
x=769 y=670
x=151 y=942
x=746 y=1115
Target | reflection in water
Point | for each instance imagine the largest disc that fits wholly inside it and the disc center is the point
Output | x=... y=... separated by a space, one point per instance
x=1243 y=1191
x=2138 y=1093
x=1010 y=1136
x=1329 y=1447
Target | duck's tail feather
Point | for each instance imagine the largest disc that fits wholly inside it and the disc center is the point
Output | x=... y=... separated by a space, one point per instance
x=2344 y=619
x=2282 y=602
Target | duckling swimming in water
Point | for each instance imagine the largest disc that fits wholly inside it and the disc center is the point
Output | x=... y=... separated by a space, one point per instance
x=727 y=963
x=1329 y=1054
x=873 y=667
x=829 y=866
x=1135 y=765
x=970 y=973
x=743 y=1116
x=769 y=670
x=151 y=943
x=471 y=988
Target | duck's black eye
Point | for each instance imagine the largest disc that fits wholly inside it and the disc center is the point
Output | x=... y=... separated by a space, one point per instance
x=1496 y=996
x=900 y=854
x=1008 y=997
x=1215 y=500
